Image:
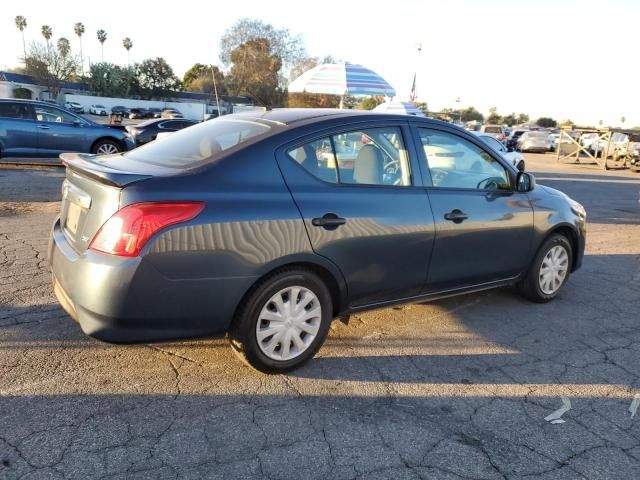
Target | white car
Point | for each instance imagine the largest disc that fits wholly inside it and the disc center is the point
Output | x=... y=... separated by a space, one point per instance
x=74 y=107
x=98 y=110
x=588 y=139
x=534 y=141
x=514 y=158
x=496 y=131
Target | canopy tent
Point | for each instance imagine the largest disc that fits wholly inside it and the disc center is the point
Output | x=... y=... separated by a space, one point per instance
x=404 y=108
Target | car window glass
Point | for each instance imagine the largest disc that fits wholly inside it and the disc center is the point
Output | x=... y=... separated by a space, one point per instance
x=15 y=110
x=317 y=158
x=201 y=144
x=457 y=163
x=374 y=156
x=493 y=143
x=51 y=114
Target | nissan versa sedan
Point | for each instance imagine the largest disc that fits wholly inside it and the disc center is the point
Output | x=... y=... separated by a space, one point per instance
x=268 y=225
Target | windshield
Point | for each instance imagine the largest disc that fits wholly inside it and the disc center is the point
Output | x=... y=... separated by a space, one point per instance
x=537 y=135
x=199 y=144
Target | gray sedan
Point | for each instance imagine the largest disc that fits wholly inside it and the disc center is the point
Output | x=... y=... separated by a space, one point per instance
x=268 y=225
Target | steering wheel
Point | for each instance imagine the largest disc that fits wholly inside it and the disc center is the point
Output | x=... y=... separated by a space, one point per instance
x=491 y=183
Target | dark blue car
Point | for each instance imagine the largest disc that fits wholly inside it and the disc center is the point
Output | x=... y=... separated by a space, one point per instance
x=39 y=129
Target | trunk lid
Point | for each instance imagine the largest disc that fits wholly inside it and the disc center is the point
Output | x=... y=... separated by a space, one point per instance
x=91 y=192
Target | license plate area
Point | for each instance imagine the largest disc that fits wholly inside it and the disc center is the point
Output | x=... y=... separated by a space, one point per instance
x=73 y=218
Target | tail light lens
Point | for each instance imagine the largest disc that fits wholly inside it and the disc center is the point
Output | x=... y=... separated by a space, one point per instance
x=130 y=228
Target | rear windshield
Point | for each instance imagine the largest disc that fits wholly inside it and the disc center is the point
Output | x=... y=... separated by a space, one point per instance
x=538 y=135
x=199 y=144
x=492 y=130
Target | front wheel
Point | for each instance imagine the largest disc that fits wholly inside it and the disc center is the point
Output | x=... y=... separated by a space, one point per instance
x=106 y=147
x=283 y=322
x=549 y=271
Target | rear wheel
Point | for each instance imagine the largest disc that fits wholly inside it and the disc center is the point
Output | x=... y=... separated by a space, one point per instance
x=283 y=322
x=549 y=271
x=106 y=147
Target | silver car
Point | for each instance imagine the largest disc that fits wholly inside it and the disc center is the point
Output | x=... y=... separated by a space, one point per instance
x=534 y=142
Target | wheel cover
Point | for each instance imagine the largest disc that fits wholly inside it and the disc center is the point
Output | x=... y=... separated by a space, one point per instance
x=107 y=149
x=553 y=270
x=288 y=323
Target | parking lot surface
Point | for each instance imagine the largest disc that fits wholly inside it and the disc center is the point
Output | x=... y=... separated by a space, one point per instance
x=454 y=389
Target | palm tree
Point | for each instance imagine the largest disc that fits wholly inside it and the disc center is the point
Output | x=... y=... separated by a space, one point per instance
x=102 y=37
x=127 y=44
x=64 y=47
x=47 y=33
x=78 y=28
x=21 y=24
x=623 y=119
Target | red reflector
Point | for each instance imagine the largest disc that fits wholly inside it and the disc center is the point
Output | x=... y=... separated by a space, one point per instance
x=130 y=228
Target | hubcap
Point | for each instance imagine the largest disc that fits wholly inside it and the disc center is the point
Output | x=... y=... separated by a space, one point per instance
x=288 y=323
x=553 y=270
x=107 y=149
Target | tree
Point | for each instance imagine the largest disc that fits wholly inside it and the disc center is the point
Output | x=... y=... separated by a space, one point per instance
x=622 y=120
x=288 y=48
x=21 y=24
x=522 y=118
x=102 y=37
x=199 y=78
x=127 y=44
x=109 y=80
x=312 y=100
x=78 y=29
x=569 y=123
x=64 y=46
x=255 y=72
x=422 y=106
x=493 y=117
x=47 y=33
x=369 y=103
x=510 y=119
x=50 y=66
x=156 y=77
x=546 y=122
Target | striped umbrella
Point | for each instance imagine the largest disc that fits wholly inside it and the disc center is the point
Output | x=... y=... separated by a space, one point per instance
x=341 y=79
x=404 y=108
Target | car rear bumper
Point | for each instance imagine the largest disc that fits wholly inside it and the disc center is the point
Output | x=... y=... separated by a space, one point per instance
x=126 y=300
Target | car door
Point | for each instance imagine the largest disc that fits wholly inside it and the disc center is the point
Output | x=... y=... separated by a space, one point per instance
x=18 y=132
x=60 y=131
x=362 y=209
x=483 y=226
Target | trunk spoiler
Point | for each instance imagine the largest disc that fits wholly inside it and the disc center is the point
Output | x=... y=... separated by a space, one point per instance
x=103 y=169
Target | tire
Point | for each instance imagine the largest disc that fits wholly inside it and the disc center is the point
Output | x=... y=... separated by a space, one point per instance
x=533 y=285
x=259 y=313
x=106 y=146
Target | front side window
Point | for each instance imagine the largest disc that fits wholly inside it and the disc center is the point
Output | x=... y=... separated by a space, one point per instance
x=373 y=156
x=457 y=163
x=52 y=114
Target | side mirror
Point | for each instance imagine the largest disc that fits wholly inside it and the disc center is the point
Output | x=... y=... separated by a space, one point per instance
x=525 y=182
x=520 y=165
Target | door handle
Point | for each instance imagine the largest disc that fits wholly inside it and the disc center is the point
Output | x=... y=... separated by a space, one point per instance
x=456 y=216
x=44 y=127
x=330 y=221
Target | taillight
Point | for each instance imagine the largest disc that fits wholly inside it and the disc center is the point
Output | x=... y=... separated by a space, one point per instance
x=129 y=229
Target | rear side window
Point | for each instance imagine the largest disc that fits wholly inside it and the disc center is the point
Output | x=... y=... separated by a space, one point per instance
x=373 y=156
x=15 y=110
x=195 y=146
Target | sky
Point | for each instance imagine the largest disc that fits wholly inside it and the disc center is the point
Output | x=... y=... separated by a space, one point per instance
x=560 y=58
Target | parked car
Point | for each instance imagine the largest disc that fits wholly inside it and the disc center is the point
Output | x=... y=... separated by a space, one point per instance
x=34 y=128
x=534 y=142
x=512 y=141
x=98 y=110
x=74 y=107
x=149 y=130
x=609 y=145
x=180 y=241
x=138 y=113
x=514 y=158
x=119 y=110
x=153 y=112
x=496 y=131
x=588 y=139
x=171 y=113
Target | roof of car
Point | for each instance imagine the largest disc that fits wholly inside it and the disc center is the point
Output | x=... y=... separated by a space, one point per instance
x=289 y=116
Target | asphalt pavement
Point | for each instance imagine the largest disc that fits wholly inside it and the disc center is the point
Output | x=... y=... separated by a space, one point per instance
x=456 y=389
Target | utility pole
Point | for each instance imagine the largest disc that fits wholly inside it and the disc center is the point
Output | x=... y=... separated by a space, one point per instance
x=459 y=109
x=215 y=89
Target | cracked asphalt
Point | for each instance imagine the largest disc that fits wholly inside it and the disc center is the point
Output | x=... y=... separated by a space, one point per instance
x=455 y=389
